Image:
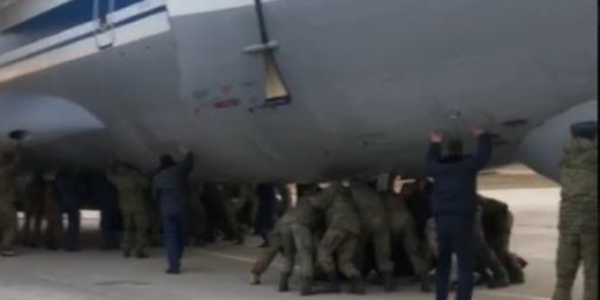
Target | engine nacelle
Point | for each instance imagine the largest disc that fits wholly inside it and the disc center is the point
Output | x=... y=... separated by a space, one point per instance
x=542 y=148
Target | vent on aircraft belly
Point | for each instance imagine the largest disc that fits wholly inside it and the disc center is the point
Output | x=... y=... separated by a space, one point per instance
x=19 y=135
x=516 y=123
x=498 y=140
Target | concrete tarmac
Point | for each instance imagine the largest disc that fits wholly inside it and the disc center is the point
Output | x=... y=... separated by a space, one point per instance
x=221 y=272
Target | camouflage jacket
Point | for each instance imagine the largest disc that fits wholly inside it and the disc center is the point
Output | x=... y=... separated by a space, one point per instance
x=399 y=214
x=342 y=215
x=132 y=188
x=579 y=180
x=371 y=208
x=496 y=217
x=7 y=183
x=302 y=214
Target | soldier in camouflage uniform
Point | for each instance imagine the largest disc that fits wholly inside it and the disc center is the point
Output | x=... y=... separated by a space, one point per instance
x=293 y=237
x=8 y=214
x=341 y=239
x=487 y=260
x=297 y=227
x=375 y=228
x=52 y=212
x=197 y=216
x=249 y=204
x=33 y=198
x=132 y=185
x=220 y=212
x=404 y=232
x=269 y=254
x=497 y=221
x=578 y=227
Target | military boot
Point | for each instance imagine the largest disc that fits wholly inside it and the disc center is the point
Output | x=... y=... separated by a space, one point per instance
x=240 y=240
x=306 y=286
x=141 y=254
x=516 y=275
x=388 y=282
x=333 y=285
x=255 y=279
x=522 y=262
x=561 y=294
x=483 y=278
x=499 y=279
x=51 y=246
x=284 y=283
x=357 y=286
x=517 y=278
x=425 y=283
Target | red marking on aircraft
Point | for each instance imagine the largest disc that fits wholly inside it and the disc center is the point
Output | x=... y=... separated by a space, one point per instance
x=227 y=103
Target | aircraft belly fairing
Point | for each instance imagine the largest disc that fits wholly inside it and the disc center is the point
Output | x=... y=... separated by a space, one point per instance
x=366 y=82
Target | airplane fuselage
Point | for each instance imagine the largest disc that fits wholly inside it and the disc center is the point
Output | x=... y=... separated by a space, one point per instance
x=367 y=81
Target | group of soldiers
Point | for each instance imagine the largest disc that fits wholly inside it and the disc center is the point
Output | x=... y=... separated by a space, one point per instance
x=349 y=230
x=346 y=230
x=130 y=215
x=122 y=194
x=337 y=230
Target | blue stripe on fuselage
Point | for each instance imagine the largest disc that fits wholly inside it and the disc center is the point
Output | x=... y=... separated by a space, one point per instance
x=84 y=36
x=54 y=21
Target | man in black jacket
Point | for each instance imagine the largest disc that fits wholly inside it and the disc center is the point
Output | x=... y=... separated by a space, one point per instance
x=171 y=191
x=454 y=204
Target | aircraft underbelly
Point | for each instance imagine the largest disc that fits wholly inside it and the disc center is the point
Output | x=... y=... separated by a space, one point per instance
x=367 y=80
x=131 y=89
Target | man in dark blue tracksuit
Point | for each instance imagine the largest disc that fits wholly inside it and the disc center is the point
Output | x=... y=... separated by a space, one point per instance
x=171 y=191
x=267 y=210
x=454 y=204
x=69 y=190
x=105 y=196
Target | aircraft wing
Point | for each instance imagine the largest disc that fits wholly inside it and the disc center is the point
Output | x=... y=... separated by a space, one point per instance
x=52 y=121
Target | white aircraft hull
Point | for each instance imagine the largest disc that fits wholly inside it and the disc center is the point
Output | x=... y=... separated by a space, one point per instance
x=368 y=81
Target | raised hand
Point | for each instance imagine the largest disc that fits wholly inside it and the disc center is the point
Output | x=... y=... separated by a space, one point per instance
x=437 y=138
x=183 y=149
x=477 y=131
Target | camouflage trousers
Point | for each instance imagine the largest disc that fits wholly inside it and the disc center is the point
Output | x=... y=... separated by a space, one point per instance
x=404 y=233
x=266 y=258
x=8 y=226
x=381 y=239
x=487 y=258
x=53 y=223
x=268 y=255
x=295 y=242
x=501 y=246
x=135 y=231
x=32 y=227
x=197 y=224
x=155 y=225
x=573 y=249
x=342 y=245
x=298 y=246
